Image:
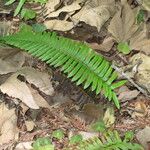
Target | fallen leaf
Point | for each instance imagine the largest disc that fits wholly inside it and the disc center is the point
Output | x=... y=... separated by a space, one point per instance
x=60 y=25
x=50 y=5
x=128 y=95
x=10 y=60
x=109 y=117
x=143 y=137
x=40 y=79
x=8 y=125
x=24 y=146
x=30 y=125
x=105 y=46
x=122 y=25
x=140 y=41
x=68 y=8
x=94 y=13
x=140 y=109
x=15 y=88
x=40 y=101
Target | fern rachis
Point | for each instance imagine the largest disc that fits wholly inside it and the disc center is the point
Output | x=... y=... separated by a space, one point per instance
x=76 y=59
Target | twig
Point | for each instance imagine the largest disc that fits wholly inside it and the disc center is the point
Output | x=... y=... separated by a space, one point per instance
x=130 y=80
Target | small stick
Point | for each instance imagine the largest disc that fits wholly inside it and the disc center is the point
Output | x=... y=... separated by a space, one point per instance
x=130 y=80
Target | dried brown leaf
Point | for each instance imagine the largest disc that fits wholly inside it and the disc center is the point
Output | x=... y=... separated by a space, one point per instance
x=60 y=25
x=105 y=46
x=10 y=60
x=68 y=8
x=143 y=137
x=122 y=26
x=40 y=79
x=15 y=88
x=8 y=125
x=140 y=41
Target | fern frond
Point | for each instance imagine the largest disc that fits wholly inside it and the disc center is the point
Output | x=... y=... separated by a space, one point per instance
x=76 y=59
x=109 y=141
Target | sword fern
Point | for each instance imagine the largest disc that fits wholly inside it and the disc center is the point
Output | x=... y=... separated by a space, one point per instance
x=80 y=62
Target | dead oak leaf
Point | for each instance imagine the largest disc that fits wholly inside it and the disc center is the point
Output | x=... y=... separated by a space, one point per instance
x=122 y=25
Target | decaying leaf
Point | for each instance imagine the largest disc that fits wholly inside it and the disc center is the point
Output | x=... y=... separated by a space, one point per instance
x=122 y=26
x=143 y=137
x=18 y=89
x=105 y=46
x=40 y=79
x=15 y=88
x=95 y=13
x=60 y=25
x=8 y=125
x=10 y=60
x=140 y=41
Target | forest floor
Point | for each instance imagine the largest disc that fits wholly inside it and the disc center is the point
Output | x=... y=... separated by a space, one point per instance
x=36 y=99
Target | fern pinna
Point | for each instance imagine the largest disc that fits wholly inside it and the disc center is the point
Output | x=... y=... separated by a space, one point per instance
x=76 y=59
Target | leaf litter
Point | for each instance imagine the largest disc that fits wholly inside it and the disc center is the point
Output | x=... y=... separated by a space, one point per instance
x=32 y=87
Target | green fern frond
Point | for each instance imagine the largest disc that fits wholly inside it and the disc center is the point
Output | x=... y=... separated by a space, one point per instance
x=76 y=59
x=109 y=141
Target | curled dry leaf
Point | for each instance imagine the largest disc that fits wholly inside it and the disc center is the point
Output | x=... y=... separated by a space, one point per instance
x=8 y=125
x=10 y=60
x=60 y=25
x=94 y=13
x=40 y=79
x=122 y=26
x=15 y=88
